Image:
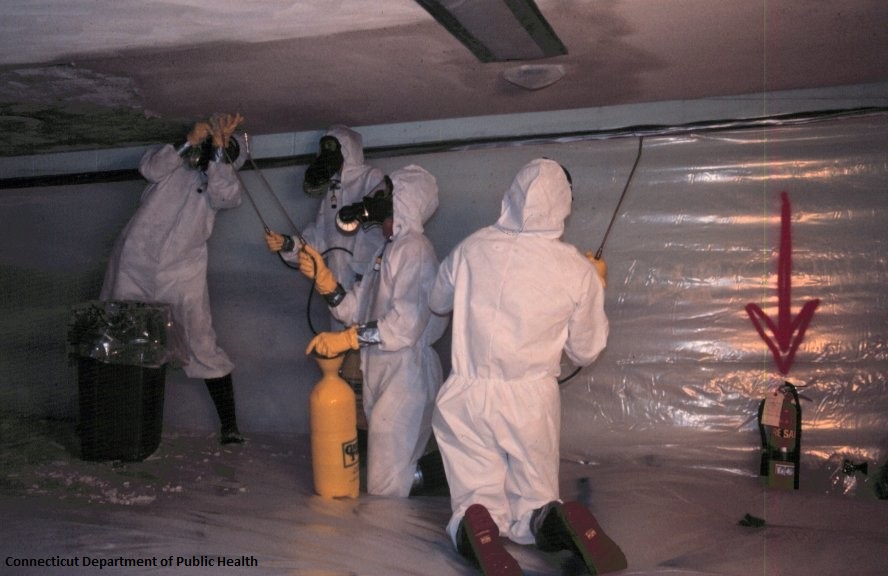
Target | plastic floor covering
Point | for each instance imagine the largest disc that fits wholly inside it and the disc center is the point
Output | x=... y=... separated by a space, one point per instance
x=195 y=508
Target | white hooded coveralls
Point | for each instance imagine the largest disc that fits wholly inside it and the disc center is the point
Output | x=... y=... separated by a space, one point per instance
x=161 y=255
x=519 y=296
x=402 y=374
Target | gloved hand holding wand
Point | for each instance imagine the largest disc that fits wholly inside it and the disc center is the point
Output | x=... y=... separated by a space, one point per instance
x=223 y=126
x=278 y=242
x=600 y=266
x=312 y=265
x=198 y=133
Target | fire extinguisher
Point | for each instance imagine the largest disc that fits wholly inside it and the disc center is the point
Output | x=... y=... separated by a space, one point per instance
x=780 y=427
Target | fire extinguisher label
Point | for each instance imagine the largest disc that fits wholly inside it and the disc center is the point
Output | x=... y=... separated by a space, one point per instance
x=773 y=408
x=784 y=470
x=350 y=453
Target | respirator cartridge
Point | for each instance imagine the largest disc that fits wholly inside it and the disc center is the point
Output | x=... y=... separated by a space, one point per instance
x=371 y=211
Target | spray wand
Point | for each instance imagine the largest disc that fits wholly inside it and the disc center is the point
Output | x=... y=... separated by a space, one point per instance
x=600 y=250
x=268 y=187
x=620 y=202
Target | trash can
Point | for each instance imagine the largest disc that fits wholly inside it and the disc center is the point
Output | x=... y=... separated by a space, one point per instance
x=120 y=349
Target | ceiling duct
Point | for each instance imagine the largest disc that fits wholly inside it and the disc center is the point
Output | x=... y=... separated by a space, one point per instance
x=497 y=30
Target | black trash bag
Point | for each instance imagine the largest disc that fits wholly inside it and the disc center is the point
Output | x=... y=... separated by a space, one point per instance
x=123 y=332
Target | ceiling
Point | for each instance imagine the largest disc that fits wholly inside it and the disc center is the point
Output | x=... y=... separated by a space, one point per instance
x=95 y=74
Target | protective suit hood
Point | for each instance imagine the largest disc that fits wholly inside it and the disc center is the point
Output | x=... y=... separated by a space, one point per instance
x=538 y=200
x=352 y=144
x=414 y=198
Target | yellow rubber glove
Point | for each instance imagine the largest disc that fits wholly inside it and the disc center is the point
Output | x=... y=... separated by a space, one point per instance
x=311 y=263
x=274 y=241
x=198 y=133
x=600 y=266
x=222 y=126
x=332 y=344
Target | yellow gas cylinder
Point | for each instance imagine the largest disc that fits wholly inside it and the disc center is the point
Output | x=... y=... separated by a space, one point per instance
x=334 y=433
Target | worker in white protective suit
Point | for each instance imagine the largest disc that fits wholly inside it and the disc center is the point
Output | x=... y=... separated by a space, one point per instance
x=519 y=296
x=389 y=321
x=338 y=176
x=161 y=255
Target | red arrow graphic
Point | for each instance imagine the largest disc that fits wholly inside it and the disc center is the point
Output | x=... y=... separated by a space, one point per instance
x=788 y=333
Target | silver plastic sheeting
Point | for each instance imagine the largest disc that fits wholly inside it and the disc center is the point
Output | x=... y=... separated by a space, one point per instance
x=698 y=238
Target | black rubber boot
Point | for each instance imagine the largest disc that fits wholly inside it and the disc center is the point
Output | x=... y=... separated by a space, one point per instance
x=547 y=529
x=222 y=392
x=430 y=479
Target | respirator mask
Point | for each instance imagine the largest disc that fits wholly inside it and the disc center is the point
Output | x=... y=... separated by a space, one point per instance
x=570 y=181
x=369 y=212
x=319 y=174
x=198 y=157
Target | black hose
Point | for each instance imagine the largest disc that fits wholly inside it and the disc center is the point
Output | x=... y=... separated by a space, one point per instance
x=569 y=376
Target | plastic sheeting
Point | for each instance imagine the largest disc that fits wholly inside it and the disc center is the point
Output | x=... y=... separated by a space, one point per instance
x=194 y=502
x=697 y=238
x=660 y=432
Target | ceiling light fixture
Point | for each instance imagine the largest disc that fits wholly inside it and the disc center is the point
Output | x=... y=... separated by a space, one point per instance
x=497 y=30
x=534 y=76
